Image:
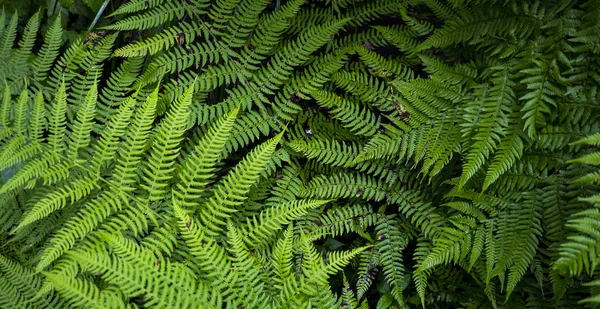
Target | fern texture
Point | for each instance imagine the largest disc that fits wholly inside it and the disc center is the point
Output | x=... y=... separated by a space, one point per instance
x=300 y=154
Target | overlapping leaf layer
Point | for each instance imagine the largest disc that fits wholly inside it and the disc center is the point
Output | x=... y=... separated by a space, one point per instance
x=301 y=154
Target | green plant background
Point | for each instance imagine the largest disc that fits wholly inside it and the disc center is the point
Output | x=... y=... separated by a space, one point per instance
x=299 y=154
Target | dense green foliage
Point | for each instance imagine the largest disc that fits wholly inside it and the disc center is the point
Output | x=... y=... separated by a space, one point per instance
x=300 y=154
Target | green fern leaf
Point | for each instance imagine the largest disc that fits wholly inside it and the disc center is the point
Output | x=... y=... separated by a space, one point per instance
x=261 y=228
x=199 y=165
x=57 y=121
x=83 y=292
x=232 y=190
x=80 y=136
x=359 y=120
x=165 y=148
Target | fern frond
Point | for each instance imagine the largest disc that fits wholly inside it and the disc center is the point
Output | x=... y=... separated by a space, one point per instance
x=312 y=78
x=456 y=74
x=5 y=110
x=117 y=89
x=440 y=142
x=232 y=190
x=401 y=37
x=362 y=13
x=524 y=254
x=8 y=36
x=198 y=166
x=391 y=243
x=509 y=151
x=250 y=290
x=49 y=50
x=155 y=16
x=82 y=292
x=579 y=253
x=162 y=41
x=359 y=120
x=210 y=256
x=419 y=27
x=38 y=119
x=82 y=127
x=184 y=57
x=136 y=6
x=244 y=21
x=57 y=199
x=81 y=225
x=492 y=121
x=295 y=53
x=318 y=272
x=471 y=27
x=345 y=185
x=107 y=144
x=33 y=169
x=248 y=128
x=365 y=86
x=25 y=153
x=175 y=283
x=382 y=67
x=261 y=228
x=538 y=101
x=27 y=40
x=165 y=147
x=57 y=121
x=340 y=221
x=136 y=139
x=327 y=152
x=21 y=277
x=282 y=256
